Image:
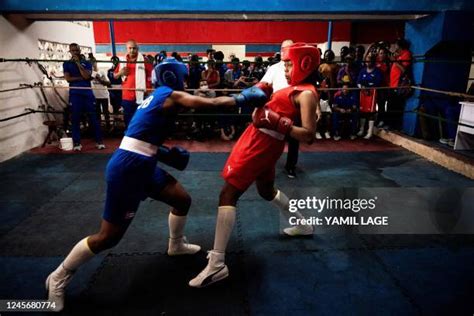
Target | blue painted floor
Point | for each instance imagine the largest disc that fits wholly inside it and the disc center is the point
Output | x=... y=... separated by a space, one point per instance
x=49 y=202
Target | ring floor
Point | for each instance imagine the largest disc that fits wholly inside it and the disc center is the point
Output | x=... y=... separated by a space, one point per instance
x=50 y=200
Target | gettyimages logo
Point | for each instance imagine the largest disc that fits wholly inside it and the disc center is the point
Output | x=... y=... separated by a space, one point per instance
x=329 y=206
x=314 y=203
x=386 y=210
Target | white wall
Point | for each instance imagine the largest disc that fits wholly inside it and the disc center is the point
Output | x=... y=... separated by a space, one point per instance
x=19 y=39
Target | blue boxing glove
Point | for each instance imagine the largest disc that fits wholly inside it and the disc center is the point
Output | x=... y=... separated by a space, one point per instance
x=175 y=157
x=253 y=96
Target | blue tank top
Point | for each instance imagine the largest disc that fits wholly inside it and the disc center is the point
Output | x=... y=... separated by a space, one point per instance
x=149 y=123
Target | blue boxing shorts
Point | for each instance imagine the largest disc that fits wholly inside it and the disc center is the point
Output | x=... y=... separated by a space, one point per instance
x=131 y=178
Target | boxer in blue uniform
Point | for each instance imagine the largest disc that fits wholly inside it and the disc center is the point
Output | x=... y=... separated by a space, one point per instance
x=132 y=173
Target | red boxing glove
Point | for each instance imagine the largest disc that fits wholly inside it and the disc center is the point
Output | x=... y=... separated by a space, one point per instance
x=266 y=118
x=265 y=87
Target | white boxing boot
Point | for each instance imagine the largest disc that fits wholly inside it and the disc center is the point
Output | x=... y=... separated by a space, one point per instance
x=180 y=246
x=215 y=270
x=56 y=284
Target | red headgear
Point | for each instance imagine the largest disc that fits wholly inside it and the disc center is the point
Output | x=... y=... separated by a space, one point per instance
x=305 y=59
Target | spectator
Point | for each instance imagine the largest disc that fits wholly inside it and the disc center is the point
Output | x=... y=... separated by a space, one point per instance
x=211 y=75
x=328 y=69
x=359 y=62
x=210 y=55
x=195 y=72
x=324 y=123
x=382 y=64
x=77 y=72
x=399 y=74
x=220 y=67
x=232 y=76
x=347 y=74
x=344 y=109
x=231 y=56
x=177 y=56
x=343 y=53
x=245 y=80
x=204 y=90
x=369 y=77
x=257 y=71
x=159 y=57
x=135 y=75
x=116 y=83
x=100 y=82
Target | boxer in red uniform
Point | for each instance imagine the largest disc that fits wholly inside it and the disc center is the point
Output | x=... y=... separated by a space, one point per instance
x=254 y=156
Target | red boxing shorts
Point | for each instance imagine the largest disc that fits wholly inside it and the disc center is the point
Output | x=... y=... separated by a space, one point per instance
x=253 y=157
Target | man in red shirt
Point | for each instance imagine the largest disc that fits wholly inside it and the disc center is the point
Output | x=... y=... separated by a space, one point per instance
x=401 y=62
x=135 y=75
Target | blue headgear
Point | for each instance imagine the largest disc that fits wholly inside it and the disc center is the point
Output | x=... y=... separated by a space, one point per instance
x=171 y=73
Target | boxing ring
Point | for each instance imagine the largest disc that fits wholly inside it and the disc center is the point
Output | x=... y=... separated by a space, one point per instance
x=49 y=199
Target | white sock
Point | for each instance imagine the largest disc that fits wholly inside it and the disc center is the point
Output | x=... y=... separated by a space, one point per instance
x=80 y=254
x=282 y=202
x=176 y=225
x=224 y=225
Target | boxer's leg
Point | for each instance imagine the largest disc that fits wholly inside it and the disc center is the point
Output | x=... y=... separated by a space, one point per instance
x=167 y=189
x=266 y=189
x=108 y=236
x=216 y=268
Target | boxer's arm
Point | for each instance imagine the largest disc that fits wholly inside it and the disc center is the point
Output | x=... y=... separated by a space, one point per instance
x=193 y=102
x=308 y=103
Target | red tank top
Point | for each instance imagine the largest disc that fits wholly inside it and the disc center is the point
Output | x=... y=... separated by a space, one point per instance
x=281 y=101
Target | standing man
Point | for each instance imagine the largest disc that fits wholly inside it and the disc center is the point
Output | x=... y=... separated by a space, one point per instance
x=135 y=75
x=77 y=73
x=275 y=76
x=115 y=83
x=400 y=69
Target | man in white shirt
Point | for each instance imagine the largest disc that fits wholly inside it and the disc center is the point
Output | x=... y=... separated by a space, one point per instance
x=101 y=94
x=275 y=75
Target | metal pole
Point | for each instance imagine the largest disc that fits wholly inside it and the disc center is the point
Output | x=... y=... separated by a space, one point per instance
x=112 y=37
x=329 y=35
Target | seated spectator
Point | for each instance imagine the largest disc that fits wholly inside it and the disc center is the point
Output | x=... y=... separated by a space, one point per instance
x=245 y=80
x=221 y=68
x=177 y=56
x=232 y=76
x=257 y=70
x=211 y=75
x=369 y=77
x=344 y=109
x=204 y=90
x=231 y=56
x=195 y=71
x=323 y=125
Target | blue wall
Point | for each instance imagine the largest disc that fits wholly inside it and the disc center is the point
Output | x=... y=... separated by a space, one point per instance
x=446 y=36
x=231 y=6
